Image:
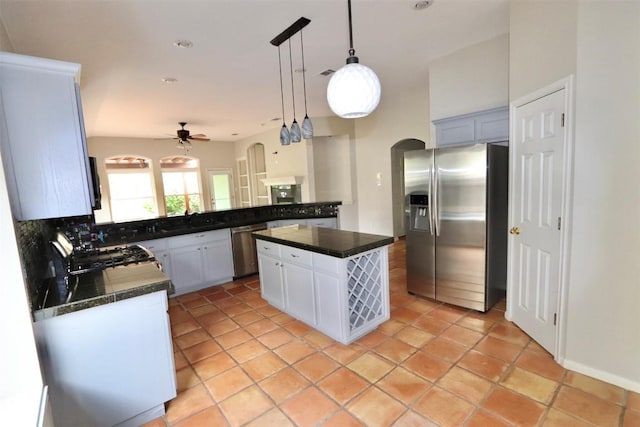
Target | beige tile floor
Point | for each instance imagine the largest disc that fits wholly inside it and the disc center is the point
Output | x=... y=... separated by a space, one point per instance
x=241 y=362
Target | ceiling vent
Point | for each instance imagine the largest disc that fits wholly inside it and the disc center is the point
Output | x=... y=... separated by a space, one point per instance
x=327 y=72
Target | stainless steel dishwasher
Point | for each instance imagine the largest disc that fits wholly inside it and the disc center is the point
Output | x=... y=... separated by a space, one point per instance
x=245 y=258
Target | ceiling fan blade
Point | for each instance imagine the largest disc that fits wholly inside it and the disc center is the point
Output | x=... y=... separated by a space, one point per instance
x=199 y=135
x=199 y=138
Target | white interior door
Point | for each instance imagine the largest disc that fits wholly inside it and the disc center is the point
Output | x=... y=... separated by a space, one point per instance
x=220 y=189
x=537 y=166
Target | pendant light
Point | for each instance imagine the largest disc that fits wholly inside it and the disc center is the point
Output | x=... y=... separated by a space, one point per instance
x=307 y=126
x=285 y=138
x=296 y=136
x=354 y=90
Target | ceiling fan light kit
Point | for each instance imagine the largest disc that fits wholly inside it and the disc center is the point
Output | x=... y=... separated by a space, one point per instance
x=354 y=90
x=295 y=134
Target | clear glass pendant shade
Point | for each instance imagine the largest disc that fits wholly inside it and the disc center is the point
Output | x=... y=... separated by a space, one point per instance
x=353 y=91
x=307 y=128
x=295 y=134
x=285 y=137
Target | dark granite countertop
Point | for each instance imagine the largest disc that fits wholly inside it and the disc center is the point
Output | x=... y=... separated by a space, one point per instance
x=327 y=241
x=104 y=287
x=108 y=234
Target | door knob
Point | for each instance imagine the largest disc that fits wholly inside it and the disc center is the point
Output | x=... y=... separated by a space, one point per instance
x=515 y=230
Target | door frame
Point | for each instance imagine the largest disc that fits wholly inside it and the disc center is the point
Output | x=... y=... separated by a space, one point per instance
x=227 y=171
x=568 y=84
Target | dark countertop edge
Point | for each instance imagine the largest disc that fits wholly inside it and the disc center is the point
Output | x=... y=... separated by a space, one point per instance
x=326 y=251
x=47 y=313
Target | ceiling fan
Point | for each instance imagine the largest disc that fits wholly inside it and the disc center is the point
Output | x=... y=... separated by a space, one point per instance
x=183 y=135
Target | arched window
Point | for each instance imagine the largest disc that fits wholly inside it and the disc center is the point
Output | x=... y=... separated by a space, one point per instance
x=132 y=192
x=181 y=182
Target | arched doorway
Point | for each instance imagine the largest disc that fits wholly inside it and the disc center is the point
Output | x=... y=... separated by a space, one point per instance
x=397 y=180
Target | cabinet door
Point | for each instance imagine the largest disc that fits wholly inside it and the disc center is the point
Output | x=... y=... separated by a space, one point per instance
x=164 y=258
x=271 y=280
x=330 y=304
x=44 y=148
x=186 y=269
x=298 y=285
x=218 y=263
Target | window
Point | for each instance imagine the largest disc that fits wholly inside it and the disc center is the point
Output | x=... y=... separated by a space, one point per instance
x=181 y=183
x=131 y=188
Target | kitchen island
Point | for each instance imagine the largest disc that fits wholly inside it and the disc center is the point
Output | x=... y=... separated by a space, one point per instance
x=106 y=350
x=336 y=281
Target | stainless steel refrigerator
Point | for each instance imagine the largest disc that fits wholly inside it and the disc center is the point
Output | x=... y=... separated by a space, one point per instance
x=456 y=224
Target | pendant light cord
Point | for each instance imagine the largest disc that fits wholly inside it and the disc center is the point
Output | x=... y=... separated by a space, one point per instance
x=293 y=96
x=304 y=72
x=281 y=89
x=352 y=51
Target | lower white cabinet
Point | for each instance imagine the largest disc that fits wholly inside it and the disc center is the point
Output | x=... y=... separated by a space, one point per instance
x=272 y=286
x=345 y=298
x=323 y=222
x=195 y=261
x=329 y=222
x=109 y=365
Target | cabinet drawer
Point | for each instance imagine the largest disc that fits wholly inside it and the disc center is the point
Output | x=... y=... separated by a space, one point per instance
x=190 y=239
x=154 y=245
x=296 y=255
x=268 y=248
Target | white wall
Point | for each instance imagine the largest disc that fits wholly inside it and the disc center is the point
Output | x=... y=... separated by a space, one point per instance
x=212 y=155
x=403 y=113
x=542 y=44
x=604 y=292
x=600 y=43
x=21 y=384
x=472 y=79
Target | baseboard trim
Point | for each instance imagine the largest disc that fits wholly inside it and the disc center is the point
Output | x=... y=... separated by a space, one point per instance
x=598 y=374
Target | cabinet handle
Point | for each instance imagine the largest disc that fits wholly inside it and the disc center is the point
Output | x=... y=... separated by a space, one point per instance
x=266 y=248
x=277 y=264
x=294 y=256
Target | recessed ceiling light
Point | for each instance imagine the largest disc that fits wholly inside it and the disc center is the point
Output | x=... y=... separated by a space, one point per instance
x=276 y=119
x=327 y=72
x=234 y=134
x=169 y=79
x=421 y=5
x=185 y=44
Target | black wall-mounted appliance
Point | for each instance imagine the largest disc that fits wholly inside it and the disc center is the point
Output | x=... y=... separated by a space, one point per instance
x=95 y=182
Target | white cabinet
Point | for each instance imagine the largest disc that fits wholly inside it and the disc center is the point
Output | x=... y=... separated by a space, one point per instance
x=42 y=136
x=195 y=261
x=109 y=365
x=297 y=274
x=479 y=127
x=345 y=298
x=187 y=268
x=271 y=281
x=330 y=222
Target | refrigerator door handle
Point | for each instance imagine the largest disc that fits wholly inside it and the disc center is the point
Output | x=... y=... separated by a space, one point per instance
x=429 y=201
x=436 y=208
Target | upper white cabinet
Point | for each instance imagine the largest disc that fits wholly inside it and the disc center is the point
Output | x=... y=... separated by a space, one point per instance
x=479 y=127
x=42 y=138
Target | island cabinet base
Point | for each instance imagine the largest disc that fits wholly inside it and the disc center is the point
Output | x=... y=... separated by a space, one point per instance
x=344 y=298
